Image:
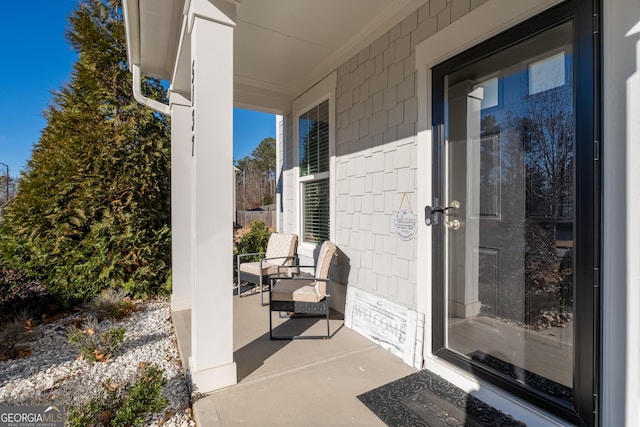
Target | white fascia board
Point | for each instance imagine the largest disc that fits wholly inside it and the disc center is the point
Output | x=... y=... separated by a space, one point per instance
x=181 y=68
x=131 y=9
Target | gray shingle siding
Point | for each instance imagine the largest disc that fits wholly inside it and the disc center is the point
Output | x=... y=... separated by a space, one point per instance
x=376 y=164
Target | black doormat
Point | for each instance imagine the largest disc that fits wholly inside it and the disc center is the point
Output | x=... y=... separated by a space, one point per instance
x=532 y=379
x=426 y=399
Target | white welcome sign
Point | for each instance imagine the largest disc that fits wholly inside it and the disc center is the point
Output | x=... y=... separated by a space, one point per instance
x=395 y=328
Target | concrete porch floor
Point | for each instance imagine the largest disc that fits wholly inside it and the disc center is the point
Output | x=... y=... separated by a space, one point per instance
x=299 y=382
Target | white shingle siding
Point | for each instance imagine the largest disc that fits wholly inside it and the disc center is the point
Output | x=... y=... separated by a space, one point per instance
x=444 y=18
x=374 y=95
x=459 y=8
x=376 y=111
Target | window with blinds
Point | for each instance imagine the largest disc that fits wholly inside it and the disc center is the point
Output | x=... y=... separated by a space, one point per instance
x=314 y=172
x=314 y=140
x=316 y=211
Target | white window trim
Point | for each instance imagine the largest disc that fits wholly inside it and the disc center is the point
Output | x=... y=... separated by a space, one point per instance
x=322 y=91
x=314 y=177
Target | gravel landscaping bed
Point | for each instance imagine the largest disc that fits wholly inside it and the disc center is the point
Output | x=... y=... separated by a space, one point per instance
x=50 y=371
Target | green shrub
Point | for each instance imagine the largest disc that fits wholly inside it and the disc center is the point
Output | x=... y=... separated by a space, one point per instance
x=111 y=304
x=93 y=344
x=255 y=240
x=143 y=398
x=96 y=413
x=93 y=210
x=128 y=406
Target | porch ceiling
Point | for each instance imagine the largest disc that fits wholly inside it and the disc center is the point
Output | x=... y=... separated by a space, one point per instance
x=281 y=47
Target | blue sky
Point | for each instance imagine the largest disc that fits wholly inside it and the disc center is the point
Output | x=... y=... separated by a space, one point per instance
x=36 y=60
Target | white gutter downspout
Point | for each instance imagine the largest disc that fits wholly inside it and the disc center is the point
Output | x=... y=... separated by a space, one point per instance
x=147 y=102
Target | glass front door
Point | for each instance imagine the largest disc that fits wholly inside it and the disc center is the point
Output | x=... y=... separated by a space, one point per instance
x=509 y=160
x=506 y=215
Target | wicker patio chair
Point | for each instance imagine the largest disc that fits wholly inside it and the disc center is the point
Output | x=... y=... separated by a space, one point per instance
x=281 y=252
x=296 y=297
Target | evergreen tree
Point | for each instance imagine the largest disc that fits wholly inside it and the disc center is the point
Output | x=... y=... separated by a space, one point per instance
x=94 y=202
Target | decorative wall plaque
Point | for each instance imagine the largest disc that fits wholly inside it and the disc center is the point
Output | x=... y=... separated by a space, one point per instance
x=405 y=221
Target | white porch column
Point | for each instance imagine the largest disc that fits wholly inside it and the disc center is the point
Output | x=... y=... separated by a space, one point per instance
x=180 y=202
x=211 y=29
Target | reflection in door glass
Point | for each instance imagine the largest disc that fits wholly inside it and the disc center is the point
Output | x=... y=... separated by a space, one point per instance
x=509 y=136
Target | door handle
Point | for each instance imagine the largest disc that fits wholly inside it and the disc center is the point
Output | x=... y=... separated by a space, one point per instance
x=431 y=219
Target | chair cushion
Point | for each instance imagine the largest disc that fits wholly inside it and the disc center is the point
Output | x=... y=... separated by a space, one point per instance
x=295 y=290
x=325 y=257
x=268 y=268
x=282 y=245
